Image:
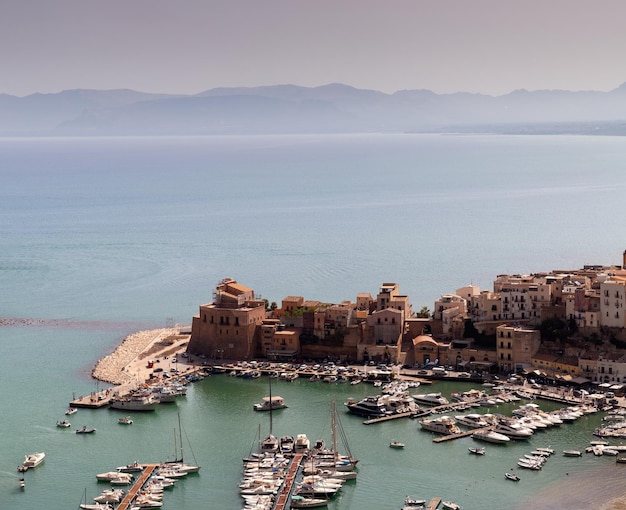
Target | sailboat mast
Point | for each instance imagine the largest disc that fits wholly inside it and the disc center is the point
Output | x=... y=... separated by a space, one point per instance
x=180 y=432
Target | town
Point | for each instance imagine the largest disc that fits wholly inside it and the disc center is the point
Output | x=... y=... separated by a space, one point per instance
x=561 y=326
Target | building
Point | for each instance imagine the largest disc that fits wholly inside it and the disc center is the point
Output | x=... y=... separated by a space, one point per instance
x=226 y=328
x=515 y=346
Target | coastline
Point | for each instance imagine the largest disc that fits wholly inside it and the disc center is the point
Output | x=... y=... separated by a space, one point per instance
x=125 y=364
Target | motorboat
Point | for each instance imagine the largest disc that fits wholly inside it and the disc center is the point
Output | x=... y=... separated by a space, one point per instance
x=432 y=399
x=396 y=444
x=302 y=444
x=286 y=445
x=572 y=453
x=126 y=420
x=413 y=504
x=298 y=501
x=369 y=407
x=110 y=475
x=64 y=424
x=32 y=460
x=273 y=402
x=490 y=436
x=85 y=430
x=134 y=467
x=513 y=428
x=71 y=410
x=110 y=496
x=22 y=483
x=477 y=451
x=95 y=506
x=449 y=505
x=442 y=425
x=512 y=477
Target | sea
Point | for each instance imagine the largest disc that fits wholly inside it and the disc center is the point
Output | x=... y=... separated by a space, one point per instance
x=103 y=237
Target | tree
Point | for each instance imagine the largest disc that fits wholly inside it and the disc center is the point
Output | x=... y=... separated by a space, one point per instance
x=424 y=313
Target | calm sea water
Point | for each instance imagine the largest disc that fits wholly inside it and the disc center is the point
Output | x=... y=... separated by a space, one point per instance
x=103 y=237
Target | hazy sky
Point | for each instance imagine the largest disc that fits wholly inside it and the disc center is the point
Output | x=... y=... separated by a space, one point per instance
x=188 y=46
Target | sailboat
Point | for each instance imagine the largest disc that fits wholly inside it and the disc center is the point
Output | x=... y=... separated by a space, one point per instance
x=179 y=463
x=270 y=444
x=331 y=459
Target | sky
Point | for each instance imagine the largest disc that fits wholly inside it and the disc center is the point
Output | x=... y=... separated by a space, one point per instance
x=189 y=46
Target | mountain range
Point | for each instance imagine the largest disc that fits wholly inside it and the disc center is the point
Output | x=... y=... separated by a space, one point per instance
x=333 y=108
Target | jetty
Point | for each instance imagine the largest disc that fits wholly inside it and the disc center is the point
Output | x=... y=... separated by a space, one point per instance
x=433 y=504
x=137 y=485
x=465 y=433
x=287 y=487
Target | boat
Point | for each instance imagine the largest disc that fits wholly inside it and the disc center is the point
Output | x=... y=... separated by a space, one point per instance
x=449 y=505
x=32 y=460
x=272 y=402
x=433 y=399
x=413 y=504
x=473 y=420
x=135 y=467
x=302 y=444
x=512 y=477
x=71 y=410
x=85 y=430
x=396 y=444
x=490 y=436
x=442 y=425
x=135 y=402
x=125 y=421
x=286 y=445
x=376 y=406
x=22 y=483
x=620 y=460
x=179 y=463
x=95 y=506
x=111 y=475
x=298 y=501
x=477 y=451
x=64 y=424
x=572 y=453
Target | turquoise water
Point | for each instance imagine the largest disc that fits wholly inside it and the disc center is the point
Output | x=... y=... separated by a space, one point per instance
x=103 y=237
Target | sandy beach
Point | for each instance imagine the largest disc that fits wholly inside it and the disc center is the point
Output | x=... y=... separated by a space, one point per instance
x=128 y=362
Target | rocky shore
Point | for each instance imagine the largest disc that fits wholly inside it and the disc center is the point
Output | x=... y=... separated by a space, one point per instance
x=114 y=368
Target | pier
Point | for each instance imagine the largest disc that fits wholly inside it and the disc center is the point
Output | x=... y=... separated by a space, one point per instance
x=287 y=487
x=433 y=504
x=137 y=485
x=449 y=437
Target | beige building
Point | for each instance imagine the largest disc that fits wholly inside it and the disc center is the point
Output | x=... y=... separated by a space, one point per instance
x=227 y=327
x=612 y=300
x=515 y=346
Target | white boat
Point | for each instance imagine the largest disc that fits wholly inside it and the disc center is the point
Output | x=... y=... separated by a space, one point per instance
x=110 y=475
x=135 y=402
x=96 y=506
x=71 y=410
x=302 y=502
x=572 y=453
x=135 y=467
x=302 y=444
x=413 y=504
x=125 y=421
x=472 y=420
x=442 y=425
x=32 y=460
x=433 y=399
x=396 y=444
x=273 y=402
x=490 y=436
x=64 y=424
x=512 y=477
x=513 y=428
x=286 y=445
x=110 y=496
x=477 y=451
x=449 y=505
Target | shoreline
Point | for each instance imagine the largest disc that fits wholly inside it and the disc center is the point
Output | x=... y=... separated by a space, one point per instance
x=125 y=364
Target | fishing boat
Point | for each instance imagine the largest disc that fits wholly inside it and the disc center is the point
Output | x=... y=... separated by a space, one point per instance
x=126 y=420
x=512 y=477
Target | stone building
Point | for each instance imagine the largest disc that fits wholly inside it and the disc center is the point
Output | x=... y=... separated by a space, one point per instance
x=226 y=328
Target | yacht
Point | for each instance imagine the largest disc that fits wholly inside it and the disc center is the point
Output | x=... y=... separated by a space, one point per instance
x=433 y=399
x=32 y=460
x=302 y=444
x=473 y=420
x=513 y=428
x=442 y=425
x=490 y=436
x=383 y=405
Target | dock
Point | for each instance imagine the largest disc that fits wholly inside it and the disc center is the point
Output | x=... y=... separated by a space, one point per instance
x=433 y=504
x=287 y=487
x=137 y=485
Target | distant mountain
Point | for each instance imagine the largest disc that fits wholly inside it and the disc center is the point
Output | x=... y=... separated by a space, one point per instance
x=333 y=108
